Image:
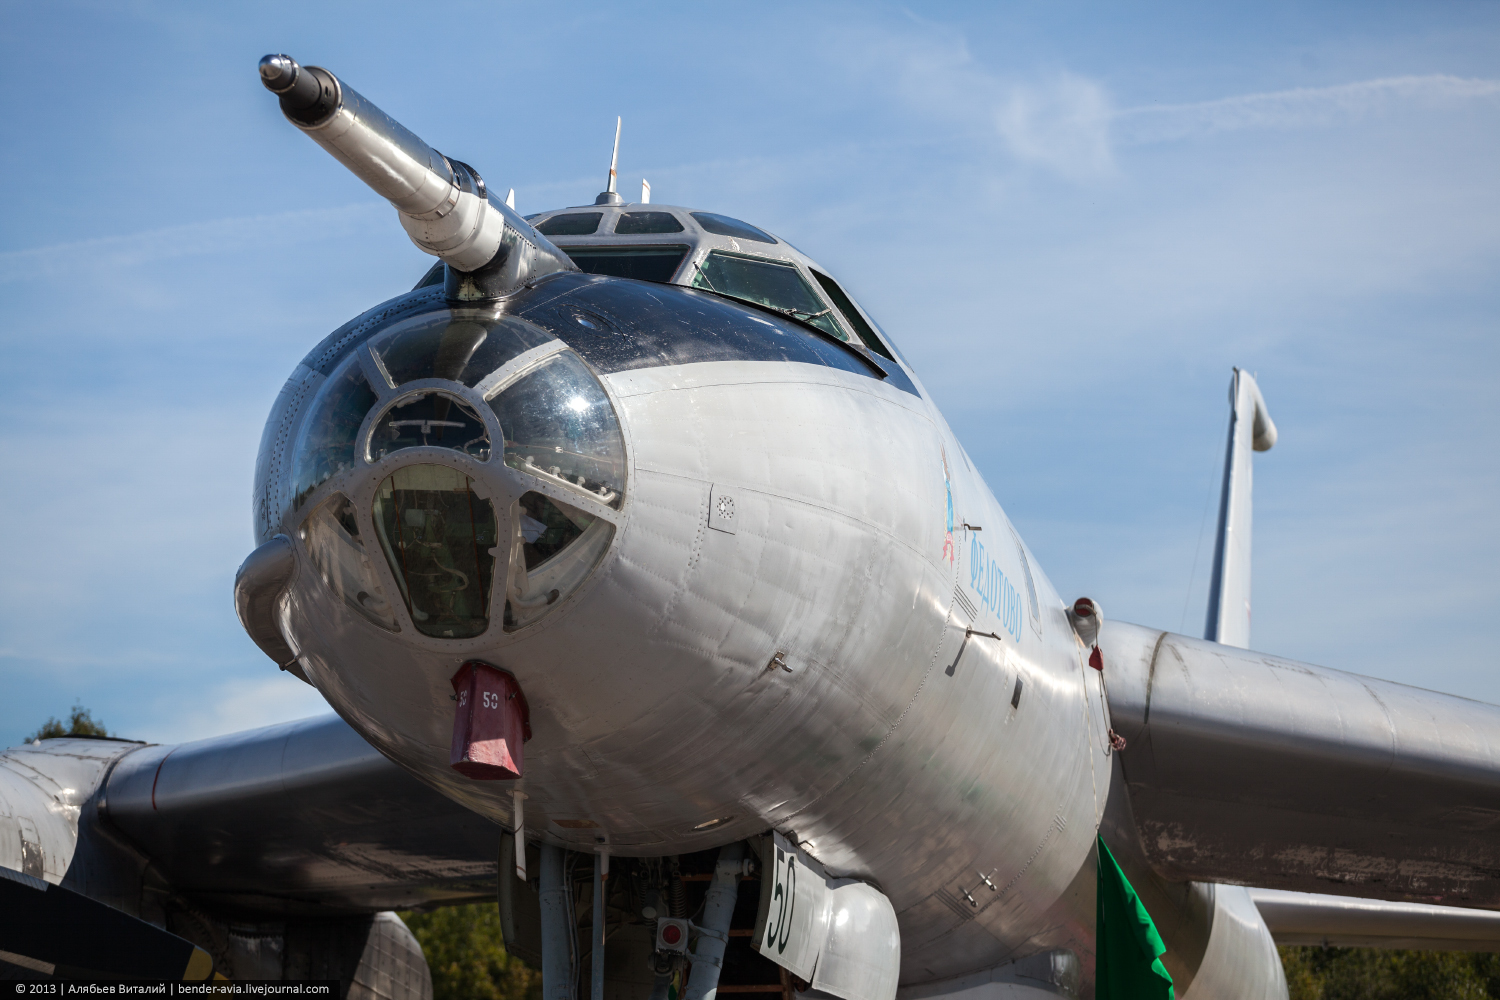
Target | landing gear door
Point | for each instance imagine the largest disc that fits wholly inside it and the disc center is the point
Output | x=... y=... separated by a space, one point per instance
x=793 y=920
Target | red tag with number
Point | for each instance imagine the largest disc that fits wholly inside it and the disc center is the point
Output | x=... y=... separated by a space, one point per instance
x=490 y=723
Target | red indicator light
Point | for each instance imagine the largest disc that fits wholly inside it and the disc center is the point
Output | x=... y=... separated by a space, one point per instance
x=671 y=934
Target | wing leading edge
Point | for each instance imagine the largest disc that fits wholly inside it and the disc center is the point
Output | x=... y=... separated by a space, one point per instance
x=304 y=817
x=1257 y=770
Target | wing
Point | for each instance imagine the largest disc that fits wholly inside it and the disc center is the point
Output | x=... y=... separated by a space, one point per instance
x=1257 y=770
x=1336 y=921
x=304 y=817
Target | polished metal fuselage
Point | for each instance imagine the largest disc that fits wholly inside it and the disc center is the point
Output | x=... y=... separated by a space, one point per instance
x=930 y=733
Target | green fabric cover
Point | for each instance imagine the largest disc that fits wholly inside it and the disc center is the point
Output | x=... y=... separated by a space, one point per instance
x=1127 y=948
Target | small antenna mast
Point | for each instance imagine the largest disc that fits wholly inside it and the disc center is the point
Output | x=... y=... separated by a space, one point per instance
x=614 y=158
x=609 y=196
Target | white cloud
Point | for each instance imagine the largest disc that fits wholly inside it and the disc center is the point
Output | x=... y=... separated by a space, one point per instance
x=1066 y=122
x=1062 y=124
x=1059 y=121
x=1301 y=107
x=274 y=232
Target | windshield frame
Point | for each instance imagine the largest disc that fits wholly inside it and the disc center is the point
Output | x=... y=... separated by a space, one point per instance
x=853 y=346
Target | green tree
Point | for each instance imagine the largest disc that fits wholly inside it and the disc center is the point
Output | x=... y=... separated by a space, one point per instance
x=466 y=953
x=1377 y=974
x=80 y=723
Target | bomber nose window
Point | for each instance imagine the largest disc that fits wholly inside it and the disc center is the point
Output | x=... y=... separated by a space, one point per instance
x=571 y=224
x=560 y=426
x=429 y=418
x=556 y=547
x=767 y=283
x=438 y=534
x=449 y=344
x=331 y=535
x=326 y=445
x=641 y=223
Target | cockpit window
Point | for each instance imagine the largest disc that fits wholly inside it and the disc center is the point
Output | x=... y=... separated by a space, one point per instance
x=326 y=445
x=571 y=224
x=852 y=315
x=768 y=283
x=437 y=534
x=723 y=225
x=560 y=427
x=434 y=419
x=642 y=223
x=642 y=263
x=331 y=535
x=459 y=345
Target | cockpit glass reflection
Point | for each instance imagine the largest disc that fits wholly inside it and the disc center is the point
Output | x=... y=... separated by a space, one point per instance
x=723 y=225
x=571 y=224
x=642 y=223
x=331 y=535
x=768 y=283
x=559 y=426
x=433 y=419
x=326 y=445
x=656 y=263
x=437 y=534
x=457 y=345
x=554 y=549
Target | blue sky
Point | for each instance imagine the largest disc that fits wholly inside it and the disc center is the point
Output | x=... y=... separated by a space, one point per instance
x=1073 y=220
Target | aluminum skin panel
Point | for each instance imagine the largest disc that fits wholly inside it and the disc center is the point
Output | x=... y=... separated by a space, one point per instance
x=1258 y=770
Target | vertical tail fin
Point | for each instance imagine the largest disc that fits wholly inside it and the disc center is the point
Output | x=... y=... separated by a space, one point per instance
x=1250 y=428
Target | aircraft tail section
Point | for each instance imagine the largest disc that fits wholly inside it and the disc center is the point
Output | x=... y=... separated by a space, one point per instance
x=1250 y=430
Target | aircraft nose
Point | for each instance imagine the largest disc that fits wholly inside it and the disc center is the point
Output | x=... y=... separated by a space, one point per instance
x=478 y=454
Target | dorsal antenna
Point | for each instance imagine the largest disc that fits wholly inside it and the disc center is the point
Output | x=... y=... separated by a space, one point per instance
x=510 y=199
x=645 y=191
x=609 y=196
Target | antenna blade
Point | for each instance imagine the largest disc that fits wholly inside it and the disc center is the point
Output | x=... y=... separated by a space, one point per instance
x=510 y=199
x=614 y=158
x=645 y=191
